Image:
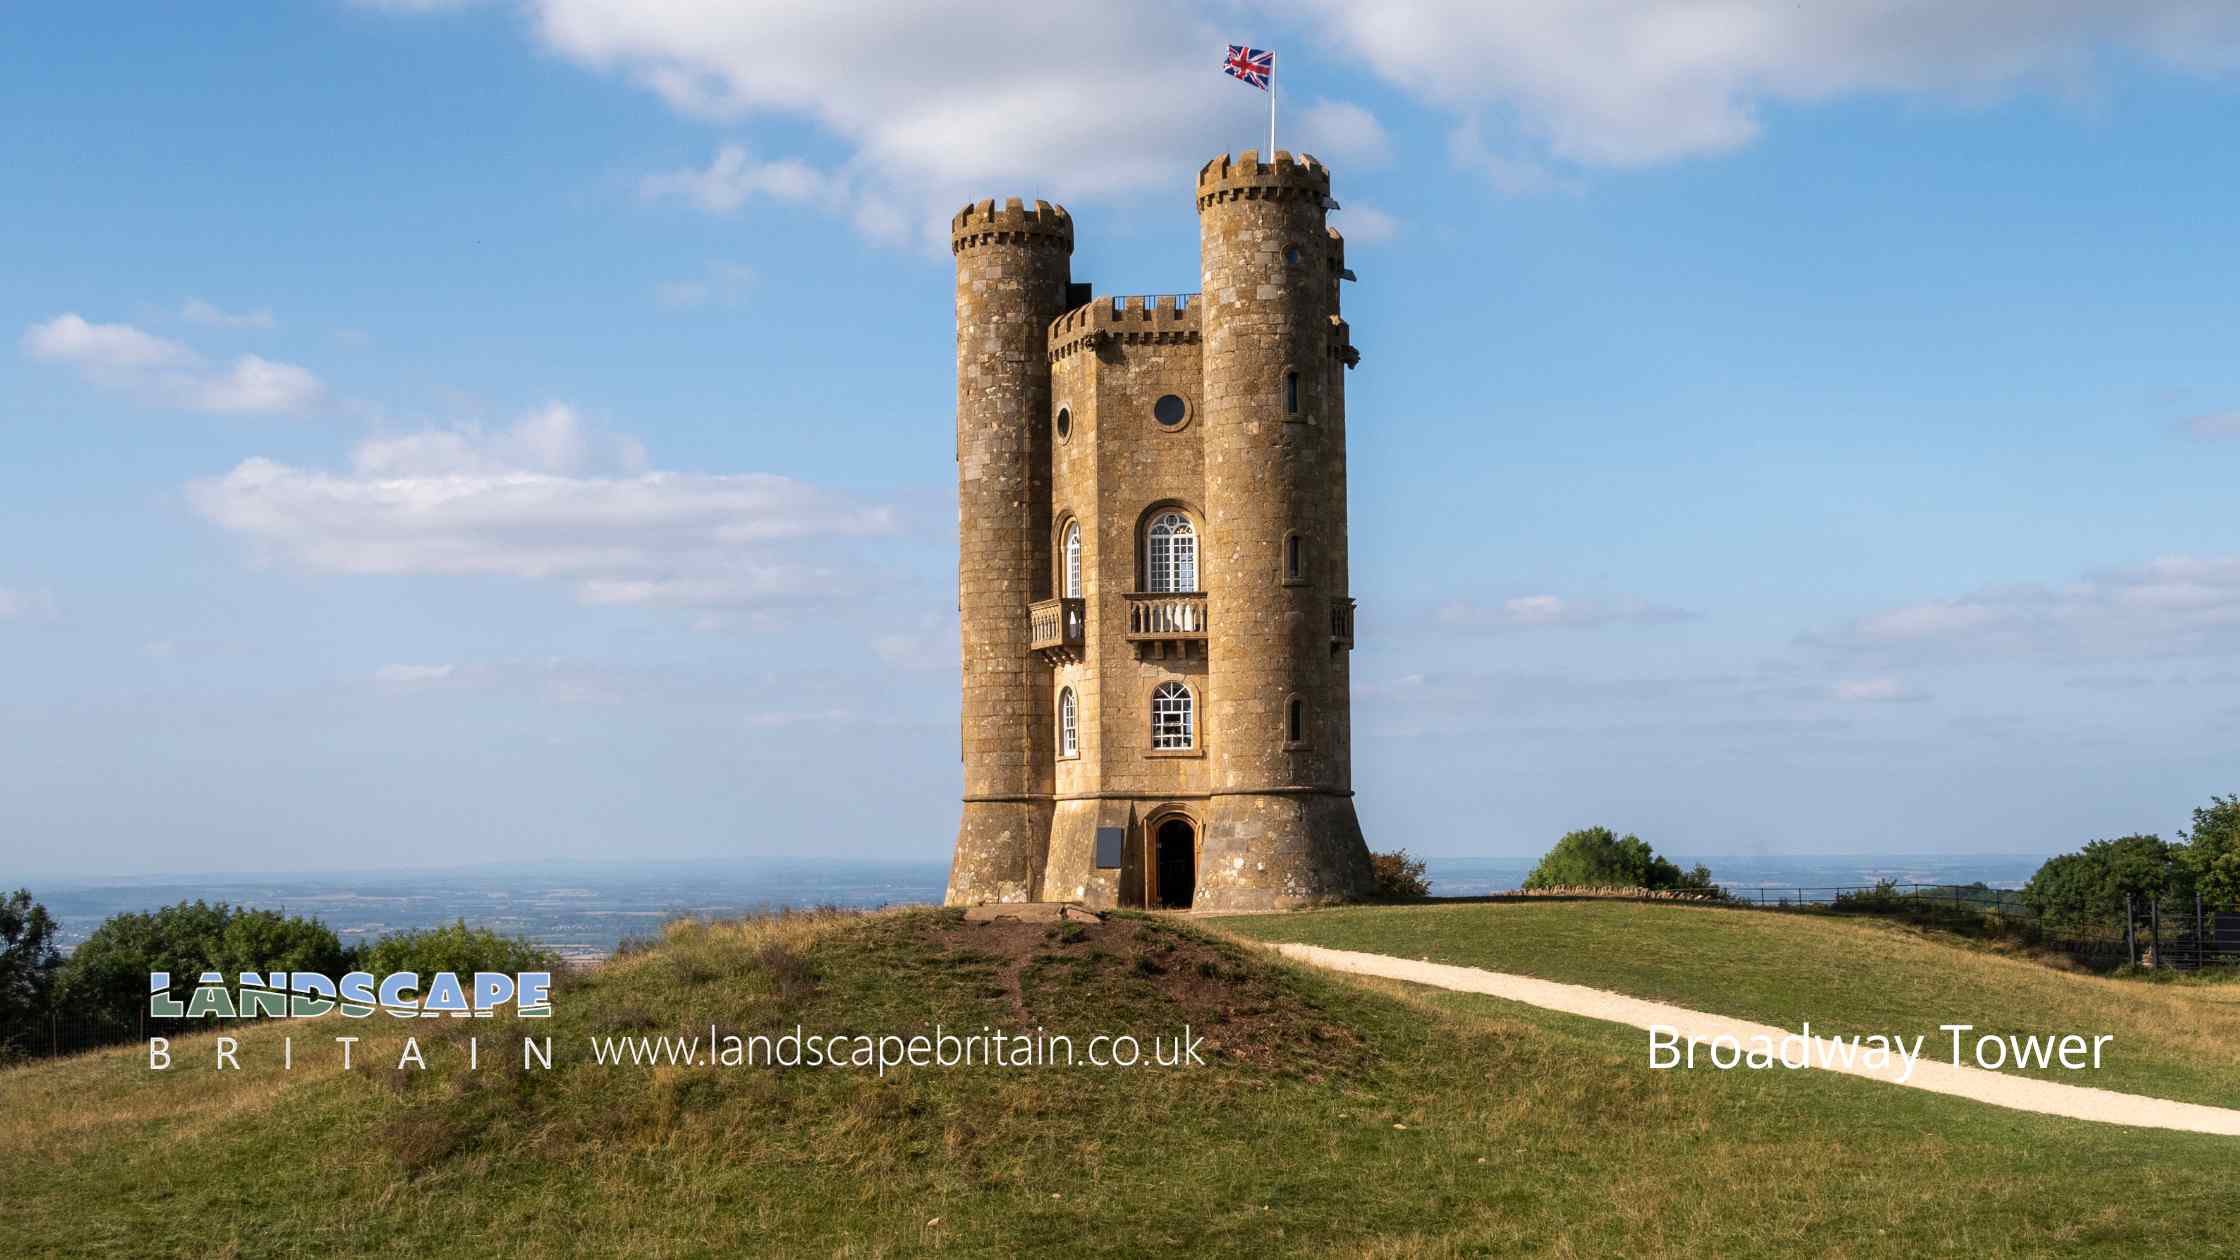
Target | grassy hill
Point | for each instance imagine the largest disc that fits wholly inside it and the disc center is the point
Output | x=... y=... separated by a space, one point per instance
x=1846 y=975
x=1332 y=1118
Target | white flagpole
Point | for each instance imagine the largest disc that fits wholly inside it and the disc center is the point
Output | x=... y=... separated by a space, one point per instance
x=1271 y=109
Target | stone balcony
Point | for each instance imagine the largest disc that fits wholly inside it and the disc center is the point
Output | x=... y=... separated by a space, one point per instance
x=1055 y=628
x=1341 y=624
x=1167 y=622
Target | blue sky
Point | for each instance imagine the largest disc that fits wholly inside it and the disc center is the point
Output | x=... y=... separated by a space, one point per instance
x=444 y=433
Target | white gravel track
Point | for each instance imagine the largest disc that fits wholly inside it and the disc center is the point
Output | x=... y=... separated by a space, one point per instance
x=1934 y=1072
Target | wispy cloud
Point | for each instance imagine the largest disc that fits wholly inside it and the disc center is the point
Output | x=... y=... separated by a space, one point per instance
x=1554 y=612
x=549 y=498
x=1873 y=691
x=2172 y=606
x=2221 y=424
x=1364 y=224
x=407 y=675
x=22 y=605
x=718 y=283
x=732 y=179
x=197 y=311
x=120 y=356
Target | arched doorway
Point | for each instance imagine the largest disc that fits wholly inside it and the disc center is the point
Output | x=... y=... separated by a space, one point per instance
x=1174 y=864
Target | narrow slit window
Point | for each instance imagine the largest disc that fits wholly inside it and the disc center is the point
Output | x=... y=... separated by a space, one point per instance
x=1292 y=547
x=1295 y=719
x=1291 y=393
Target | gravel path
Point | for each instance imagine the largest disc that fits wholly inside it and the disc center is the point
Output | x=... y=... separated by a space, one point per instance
x=1934 y=1072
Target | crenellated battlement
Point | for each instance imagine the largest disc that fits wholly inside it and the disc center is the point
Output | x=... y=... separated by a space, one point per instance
x=1341 y=343
x=1014 y=222
x=1228 y=178
x=1152 y=318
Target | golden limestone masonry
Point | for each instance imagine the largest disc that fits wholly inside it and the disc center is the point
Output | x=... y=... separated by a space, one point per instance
x=1151 y=497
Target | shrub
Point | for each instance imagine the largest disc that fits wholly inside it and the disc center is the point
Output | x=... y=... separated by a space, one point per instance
x=454 y=948
x=1399 y=875
x=1599 y=858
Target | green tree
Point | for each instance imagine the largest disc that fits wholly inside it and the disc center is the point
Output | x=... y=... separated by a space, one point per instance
x=2212 y=852
x=2091 y=885
x=28 y=959
x=104 y=986
x=1600 y=858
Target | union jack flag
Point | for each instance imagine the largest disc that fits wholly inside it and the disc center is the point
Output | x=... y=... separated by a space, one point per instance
x=1255 y=66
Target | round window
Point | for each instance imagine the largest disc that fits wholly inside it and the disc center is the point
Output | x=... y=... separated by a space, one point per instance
x=1170 y=410
x=1291 y=254
x=1065 y=423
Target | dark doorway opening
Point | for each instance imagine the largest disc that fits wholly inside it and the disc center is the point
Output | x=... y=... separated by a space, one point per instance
x=1175 y=855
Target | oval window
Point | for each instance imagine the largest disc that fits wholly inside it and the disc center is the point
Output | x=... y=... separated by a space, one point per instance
x=1065 y=423
x=1291 y=254
x=1170 y=410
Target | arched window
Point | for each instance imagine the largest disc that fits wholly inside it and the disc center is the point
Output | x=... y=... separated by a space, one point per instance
x=1295 y=721
x=1170 y=554
x=1073 y=560
x=1172 y=724
x=1069 y=725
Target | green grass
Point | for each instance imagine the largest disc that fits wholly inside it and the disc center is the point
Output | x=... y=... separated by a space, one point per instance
x=1847 y=975
x=1335 y=1118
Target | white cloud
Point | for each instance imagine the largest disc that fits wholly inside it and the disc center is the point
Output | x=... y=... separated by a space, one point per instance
x=931 y=644
x=19 y=605
x=1872 y=691
x=1342 y=132
x=254 y=383
x=1366 y=225
x=197 y=311
x=719 y=282
x=932 y=105
x=548 y=499
x=102 y=349
x=1614 y=83
x=119 y=356
x=2223 y=424
x=732 y=179
x=2173 y=606
x=926 y=106
x=1553 y=612
x=407 y=674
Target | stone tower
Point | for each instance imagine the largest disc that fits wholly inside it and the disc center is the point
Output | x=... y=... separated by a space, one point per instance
x=1152 y=582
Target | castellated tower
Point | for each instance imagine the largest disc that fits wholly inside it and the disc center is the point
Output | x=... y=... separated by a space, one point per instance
x=1152 y=583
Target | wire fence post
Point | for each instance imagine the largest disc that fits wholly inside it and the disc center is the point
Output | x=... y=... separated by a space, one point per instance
x=2200 y=942
x=2130 y=929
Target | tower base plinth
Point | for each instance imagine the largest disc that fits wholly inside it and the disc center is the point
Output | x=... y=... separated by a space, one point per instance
x=1273 y=852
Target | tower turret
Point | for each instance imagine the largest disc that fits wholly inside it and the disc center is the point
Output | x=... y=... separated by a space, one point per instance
x=1280 y=827
x=1013 y=271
